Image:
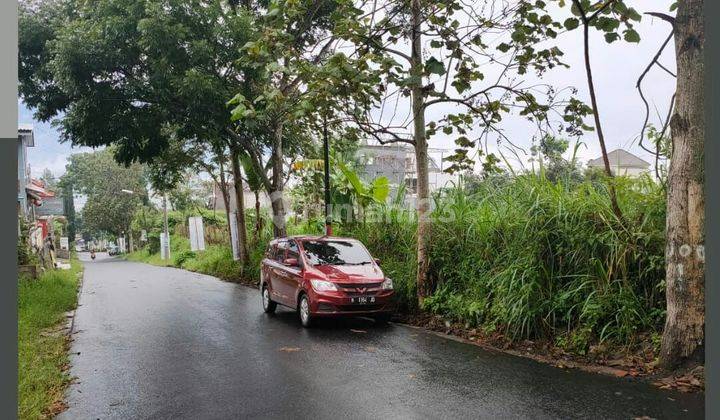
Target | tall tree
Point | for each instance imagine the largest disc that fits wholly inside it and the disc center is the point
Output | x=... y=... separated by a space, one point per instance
x=133 y=73
x=101 y=179
x=607 y=17
x=685 y=235
x=294 y=39
x=437 y=56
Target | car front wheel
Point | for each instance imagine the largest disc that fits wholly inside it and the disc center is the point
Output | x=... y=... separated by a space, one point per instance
x=304 y=311
x=268 y=305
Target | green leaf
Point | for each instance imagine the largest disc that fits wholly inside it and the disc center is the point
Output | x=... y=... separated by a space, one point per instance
x=238 y=112
x=353 y=178
x=433 y=66
x=631 y=35
x=571 y=23
x=633 y=14
x=611 y=37
x=380 y=189
x=239 y=98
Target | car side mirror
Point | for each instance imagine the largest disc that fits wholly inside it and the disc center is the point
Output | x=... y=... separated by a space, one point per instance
x=377 y=261
x=292 y=262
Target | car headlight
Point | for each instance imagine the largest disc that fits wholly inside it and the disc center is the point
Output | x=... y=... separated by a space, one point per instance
x=322 y=285
x=387 y=284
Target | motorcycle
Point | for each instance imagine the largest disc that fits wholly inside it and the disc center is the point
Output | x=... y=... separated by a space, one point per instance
x=92 y=255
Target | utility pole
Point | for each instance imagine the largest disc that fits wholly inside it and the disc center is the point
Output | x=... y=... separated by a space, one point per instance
x=130 y=241
x=326 y=151
x=166 y=232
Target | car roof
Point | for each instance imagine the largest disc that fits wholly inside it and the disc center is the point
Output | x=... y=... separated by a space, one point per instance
x=313 y=238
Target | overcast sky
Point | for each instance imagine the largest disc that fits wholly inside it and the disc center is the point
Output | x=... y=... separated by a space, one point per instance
x=616 y=68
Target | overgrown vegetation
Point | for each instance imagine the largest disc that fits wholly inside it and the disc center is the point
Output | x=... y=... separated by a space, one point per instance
x=42 y=352
x=523 y=256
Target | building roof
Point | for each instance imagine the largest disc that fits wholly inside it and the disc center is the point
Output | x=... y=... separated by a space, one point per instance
x=38 y=187
x=620 y=158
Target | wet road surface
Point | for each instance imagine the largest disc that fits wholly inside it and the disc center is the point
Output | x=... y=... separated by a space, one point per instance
x=156 y=342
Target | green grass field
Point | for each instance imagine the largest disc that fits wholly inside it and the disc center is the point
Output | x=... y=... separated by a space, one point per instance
x=43 y=355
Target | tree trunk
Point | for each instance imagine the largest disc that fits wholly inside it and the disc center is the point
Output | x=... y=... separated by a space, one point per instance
x=596 y=115
x=226 y=198
x=276 y=195
x=685 y=235
x=240 y=206
x=258 y=219
x=424 y=288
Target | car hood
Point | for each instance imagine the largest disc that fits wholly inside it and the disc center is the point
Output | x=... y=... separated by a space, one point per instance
x=368 y=273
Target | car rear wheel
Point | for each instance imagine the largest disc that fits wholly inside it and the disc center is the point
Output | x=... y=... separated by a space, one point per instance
x=268 y=305
x=304 y=311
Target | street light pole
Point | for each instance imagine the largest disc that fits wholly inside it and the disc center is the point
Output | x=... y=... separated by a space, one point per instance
x=326 y=151
x=130 y=241
x=165 y=222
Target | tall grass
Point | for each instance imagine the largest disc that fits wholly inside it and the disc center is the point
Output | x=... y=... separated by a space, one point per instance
x=42 y=356
x=524 y=256
x=534 y=258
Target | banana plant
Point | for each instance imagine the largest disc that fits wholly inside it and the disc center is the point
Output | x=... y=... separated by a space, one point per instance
x=366 y=193
x=348 y=190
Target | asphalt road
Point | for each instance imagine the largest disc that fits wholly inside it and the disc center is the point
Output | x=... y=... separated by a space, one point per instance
x=156 y=342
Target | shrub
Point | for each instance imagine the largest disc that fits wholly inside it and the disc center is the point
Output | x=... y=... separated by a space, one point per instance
x=534 y=258
x=181 y=257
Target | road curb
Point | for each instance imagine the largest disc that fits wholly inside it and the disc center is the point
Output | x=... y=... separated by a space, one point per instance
x=559 y=364
x=73 y=313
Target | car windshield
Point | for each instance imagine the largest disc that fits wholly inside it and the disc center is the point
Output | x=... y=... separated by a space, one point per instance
x=336 y=253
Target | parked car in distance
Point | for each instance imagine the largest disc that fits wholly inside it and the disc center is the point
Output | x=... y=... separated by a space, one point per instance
x=322 y=276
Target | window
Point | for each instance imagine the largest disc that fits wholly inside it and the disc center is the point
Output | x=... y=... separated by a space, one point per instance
x=411 y=185
x=294 y=252
x=336 y=253
x=280 y=251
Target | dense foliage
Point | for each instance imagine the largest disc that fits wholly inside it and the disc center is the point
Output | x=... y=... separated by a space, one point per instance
x=582 y=278
x=113 y=191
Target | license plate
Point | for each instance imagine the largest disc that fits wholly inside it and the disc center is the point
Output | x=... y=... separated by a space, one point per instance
x=362 y=300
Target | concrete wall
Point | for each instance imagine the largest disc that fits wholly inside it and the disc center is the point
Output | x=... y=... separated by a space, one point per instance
x=217 y=202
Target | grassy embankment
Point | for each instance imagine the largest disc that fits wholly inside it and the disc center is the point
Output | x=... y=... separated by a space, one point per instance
x=522 y=257
x=42 y=344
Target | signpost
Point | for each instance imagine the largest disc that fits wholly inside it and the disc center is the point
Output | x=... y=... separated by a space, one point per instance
x=164 y=246
x=64 y=243
x=197 y=234
x=234 y=236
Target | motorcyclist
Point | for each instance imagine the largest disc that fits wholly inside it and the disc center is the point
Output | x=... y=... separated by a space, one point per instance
x=92 y=254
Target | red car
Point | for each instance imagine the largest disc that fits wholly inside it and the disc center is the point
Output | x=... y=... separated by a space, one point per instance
x=324 y=276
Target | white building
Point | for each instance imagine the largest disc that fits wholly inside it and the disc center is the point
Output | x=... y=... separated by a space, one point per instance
x=396 y=162
x=26 y=139
x=622 y=163
x=216 y=202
